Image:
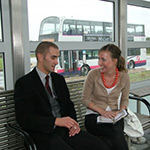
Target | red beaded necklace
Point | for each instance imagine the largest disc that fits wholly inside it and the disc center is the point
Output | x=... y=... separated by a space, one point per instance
x=115 y=81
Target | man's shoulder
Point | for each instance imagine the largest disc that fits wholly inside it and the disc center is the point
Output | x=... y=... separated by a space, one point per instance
x=56 y=75
x=27 y=76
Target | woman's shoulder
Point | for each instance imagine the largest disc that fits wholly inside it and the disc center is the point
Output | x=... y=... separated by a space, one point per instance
x=94 y=72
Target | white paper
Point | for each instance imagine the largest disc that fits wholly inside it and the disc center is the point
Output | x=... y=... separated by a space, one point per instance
x=120 y=115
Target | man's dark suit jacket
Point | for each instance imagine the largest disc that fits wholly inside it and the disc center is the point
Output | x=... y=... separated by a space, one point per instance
x=32 y=106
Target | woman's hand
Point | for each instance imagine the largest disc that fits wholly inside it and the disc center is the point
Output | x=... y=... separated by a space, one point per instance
x=123 y=107
x=108 y=114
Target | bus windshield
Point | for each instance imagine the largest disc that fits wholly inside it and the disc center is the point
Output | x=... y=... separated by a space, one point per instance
x=49 y=26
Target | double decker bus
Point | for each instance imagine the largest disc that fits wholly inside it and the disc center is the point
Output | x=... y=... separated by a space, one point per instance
x=81 y=61
x=136 y=56
x=68 y=29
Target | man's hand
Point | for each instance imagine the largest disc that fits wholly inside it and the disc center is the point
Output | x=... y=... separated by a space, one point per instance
x=69 y=123
x=74 y=130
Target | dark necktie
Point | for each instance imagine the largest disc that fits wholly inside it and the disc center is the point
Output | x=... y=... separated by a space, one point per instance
x=47 y=85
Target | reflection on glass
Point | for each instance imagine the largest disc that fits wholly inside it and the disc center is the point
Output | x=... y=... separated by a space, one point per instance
x=139 y=59
x=2 y=84
x=77 y=62
x=136 y=32
x=81 y=61
x=65 y=29
x=138 y=23
x=136 y=57
x=33 y=60
x=95 y=24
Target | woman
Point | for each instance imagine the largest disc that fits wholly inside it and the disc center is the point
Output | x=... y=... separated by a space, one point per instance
x=105 y=93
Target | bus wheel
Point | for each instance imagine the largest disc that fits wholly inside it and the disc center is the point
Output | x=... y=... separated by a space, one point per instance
x=131 y=64
x=85 y=69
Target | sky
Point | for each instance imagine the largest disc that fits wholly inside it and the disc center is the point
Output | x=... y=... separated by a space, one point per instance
x=81 y=9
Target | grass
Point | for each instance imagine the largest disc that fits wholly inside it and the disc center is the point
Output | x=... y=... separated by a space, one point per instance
x=1 y=63
x=139 y=75
x=135 y=75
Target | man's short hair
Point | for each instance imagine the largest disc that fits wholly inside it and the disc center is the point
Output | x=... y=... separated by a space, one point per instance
x=44 y=46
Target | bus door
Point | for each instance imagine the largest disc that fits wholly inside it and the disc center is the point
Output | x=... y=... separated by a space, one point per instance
x=70 y=61
x=66 y=61
x=73 y=61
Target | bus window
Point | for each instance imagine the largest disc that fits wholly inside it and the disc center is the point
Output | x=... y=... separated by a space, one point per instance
x=66 y=29
x=95 y=54
x=86 y=29
x=133 y=51
x=69 y=27
x=80 y=55
x=88 y=54
x=72 y=30
x=49 y=29
x=136 y=32
x=139 y=29
x=79 y=29
x=99 y=29
x=108 y=29
x=130 y=30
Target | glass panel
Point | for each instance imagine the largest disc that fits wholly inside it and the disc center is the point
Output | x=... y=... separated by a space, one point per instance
x=71 y=62
x=0 y=25
x=95 y=24
x=33 y=60
x=138 y=23
x=2 y=78
x=138 y=62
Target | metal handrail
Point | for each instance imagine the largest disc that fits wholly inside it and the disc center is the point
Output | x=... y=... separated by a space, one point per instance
x=142 y=100
x=27 y=138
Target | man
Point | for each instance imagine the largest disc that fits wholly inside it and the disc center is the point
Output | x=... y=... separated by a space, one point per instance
x=44 y=109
